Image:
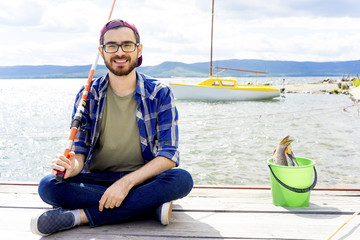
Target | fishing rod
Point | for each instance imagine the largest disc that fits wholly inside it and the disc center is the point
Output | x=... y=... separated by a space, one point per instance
x=76 y=122
x=342 y=225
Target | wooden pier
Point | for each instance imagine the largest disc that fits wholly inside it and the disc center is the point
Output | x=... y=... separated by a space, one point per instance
x=207 y=213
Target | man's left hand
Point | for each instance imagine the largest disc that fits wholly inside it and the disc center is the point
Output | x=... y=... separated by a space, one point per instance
x=114 y=195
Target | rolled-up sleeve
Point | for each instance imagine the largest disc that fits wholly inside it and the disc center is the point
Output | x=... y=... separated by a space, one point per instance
x=167 y=127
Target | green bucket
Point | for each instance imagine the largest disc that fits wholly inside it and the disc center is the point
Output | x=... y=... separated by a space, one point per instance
x=290 y=186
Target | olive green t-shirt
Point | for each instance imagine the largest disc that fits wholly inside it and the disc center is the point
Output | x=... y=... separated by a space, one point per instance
x=118 y=148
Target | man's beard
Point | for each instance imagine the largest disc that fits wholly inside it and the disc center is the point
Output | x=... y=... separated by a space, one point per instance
x=121 y=71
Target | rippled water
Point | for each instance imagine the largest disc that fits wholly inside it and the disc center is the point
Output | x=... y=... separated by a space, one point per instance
x=221 y=143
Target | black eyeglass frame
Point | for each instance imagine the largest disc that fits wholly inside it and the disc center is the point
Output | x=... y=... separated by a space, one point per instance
x=121 y=46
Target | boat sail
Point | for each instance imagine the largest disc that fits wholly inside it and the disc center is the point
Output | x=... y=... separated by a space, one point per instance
x=219 y=88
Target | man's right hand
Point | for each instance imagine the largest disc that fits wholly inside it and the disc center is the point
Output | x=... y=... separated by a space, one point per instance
x=73 y=165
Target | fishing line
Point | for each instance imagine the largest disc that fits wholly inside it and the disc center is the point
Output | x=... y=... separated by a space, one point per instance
x=76 y=122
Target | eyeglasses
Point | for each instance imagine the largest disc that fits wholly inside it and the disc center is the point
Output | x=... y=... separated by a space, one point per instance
x=125 y=47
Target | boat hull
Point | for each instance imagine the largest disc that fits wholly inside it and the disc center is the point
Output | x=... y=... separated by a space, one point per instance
x=244 y=93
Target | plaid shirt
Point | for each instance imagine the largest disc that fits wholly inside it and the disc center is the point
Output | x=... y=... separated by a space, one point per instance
x=156 y=115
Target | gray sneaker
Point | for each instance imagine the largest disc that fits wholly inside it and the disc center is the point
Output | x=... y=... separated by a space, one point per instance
x=52 y=221
x=164 y=213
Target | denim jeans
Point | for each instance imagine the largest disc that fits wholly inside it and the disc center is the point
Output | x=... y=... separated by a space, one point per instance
x=85 y=190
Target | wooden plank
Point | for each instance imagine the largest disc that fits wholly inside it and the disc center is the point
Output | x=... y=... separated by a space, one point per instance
x=261 y=200
x=204 y=214
x=212 y=199
x=196 y=225
x=18 y=196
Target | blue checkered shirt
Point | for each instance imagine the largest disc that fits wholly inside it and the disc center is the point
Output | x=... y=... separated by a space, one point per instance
x=156 y=115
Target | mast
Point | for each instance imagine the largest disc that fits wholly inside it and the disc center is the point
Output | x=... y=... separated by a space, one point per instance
x=212 y=36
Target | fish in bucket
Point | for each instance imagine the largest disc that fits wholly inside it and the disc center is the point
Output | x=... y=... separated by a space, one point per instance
x=291 y=177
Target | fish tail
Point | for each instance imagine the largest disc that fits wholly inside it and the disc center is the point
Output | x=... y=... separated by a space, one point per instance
x=287 y=141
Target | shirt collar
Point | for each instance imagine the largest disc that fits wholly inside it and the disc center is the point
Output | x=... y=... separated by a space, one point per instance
x=140 y=88
x=104 y=83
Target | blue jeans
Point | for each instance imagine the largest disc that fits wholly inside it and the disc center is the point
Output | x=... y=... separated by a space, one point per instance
x=85 y=190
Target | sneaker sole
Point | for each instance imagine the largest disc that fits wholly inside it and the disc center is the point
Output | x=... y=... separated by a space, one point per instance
x=33 y=225
x=165 y=215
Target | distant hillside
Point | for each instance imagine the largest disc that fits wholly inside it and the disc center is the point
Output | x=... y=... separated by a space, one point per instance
x=178 y=69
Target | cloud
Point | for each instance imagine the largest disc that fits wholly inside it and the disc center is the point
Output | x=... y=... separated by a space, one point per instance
x=73 y=17
x=64 y=52
x=325 y=8
x=293 y=38
x=65 y=32
x=255 y=9
x=21 y=13
x=50 y=32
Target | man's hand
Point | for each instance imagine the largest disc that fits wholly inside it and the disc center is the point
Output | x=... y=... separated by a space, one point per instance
x=115 y=194
x=72 y=165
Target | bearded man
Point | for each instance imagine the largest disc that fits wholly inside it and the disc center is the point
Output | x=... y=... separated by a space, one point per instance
x=125 y=154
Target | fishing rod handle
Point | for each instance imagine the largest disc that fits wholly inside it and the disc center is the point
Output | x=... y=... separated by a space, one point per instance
x=61 y=174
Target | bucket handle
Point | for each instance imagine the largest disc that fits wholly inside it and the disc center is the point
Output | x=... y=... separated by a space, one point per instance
x=298 y=190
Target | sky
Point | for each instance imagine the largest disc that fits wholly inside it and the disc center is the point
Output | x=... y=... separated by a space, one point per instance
x=66 y=32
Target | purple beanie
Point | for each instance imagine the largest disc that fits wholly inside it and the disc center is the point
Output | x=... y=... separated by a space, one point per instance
x=120 y=23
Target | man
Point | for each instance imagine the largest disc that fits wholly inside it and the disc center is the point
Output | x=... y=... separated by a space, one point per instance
x=123 y=160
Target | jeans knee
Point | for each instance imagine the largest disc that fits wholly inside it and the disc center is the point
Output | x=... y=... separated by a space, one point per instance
x=187 y=180
x=47 y=189
x=184 y=181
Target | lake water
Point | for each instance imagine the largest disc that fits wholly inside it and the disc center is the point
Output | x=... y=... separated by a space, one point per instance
x=222 y=143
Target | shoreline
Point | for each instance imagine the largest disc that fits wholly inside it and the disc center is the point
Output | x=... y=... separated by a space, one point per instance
x=320 y=88
x=308 y=87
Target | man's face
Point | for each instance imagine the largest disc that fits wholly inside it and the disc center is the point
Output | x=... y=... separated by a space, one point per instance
x=121 y=63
